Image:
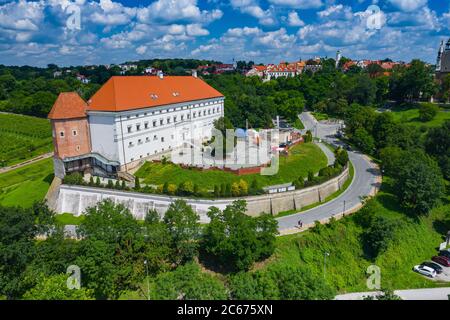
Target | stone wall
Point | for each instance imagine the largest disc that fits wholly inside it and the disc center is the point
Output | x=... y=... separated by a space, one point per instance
x=75 y=199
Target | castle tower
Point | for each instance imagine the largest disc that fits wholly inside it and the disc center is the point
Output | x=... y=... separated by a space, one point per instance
x=70 y=131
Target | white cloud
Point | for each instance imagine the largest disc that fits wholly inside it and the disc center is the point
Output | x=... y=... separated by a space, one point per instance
x=294 y=20
x=251 y=7
x=196 y=30
x=170 y=10
x=299 y=4
x=408 y=5
x=21 y=16
x=141 y=50
x=111 y=13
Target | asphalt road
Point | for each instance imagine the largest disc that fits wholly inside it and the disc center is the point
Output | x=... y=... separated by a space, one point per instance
x=413 y=294
x=366 y=180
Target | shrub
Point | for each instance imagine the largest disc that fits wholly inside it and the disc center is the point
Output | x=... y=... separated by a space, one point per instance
x=117 y=185
x=186 y=188
x=91 y=181
x=137 y=183
x=110 y=184
x=73 y=178
x=216 y=191
x=235 y=192
x=228 y=190
x=171 y=189
x=310 y=176
x=243 y=187
x=97 y=182
x=428 y=111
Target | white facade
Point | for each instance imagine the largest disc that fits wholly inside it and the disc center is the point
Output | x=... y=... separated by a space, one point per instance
x=129 y=136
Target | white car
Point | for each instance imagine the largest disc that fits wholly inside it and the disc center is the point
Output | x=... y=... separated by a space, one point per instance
x=426 y=271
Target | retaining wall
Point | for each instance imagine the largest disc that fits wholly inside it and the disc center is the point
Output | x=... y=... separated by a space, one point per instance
x=75 y=199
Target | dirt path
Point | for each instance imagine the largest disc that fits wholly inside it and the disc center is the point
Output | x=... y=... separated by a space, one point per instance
x=27 y=162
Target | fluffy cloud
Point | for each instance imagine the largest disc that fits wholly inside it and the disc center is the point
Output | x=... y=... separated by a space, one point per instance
x=408 y=5
x=294 y=20
x=251 y=7
x=169 y=10
x=112 y=13
x=299 y=4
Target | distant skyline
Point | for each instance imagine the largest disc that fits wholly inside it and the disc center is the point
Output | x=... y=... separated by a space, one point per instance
x=80 y=32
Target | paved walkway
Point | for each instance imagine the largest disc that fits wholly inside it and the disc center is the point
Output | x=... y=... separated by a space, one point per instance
x=366 y=182
x=413 y=294
x=27 y=162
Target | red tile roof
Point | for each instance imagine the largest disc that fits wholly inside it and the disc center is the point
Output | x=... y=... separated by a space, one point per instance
x=68 y=105
x=122 y=93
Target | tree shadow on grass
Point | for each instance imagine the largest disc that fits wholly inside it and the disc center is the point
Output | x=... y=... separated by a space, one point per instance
x=49 y=178
x=441 y=226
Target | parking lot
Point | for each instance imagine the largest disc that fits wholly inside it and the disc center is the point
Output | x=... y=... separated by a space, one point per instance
x=444 y=276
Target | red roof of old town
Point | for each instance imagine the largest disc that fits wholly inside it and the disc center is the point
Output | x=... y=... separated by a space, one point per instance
x=68 y=105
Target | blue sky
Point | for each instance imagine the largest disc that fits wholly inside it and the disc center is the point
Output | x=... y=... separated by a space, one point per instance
x=73 y=32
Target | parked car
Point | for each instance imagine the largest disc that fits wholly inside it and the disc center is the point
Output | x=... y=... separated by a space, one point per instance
x=433 y=265
x=442 y=260
x=426 y=271
x=445 y=253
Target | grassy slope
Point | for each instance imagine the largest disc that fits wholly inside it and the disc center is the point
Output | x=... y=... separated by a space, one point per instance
x=416 y=241
x=411 y=117
x=21 y=187
x=303 y=158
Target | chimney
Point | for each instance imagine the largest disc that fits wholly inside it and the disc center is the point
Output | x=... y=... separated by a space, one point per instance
x=194 y=73
x=160 y=75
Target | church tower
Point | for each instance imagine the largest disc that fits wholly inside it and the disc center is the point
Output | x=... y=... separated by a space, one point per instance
x=438 y=61
x=338 y=58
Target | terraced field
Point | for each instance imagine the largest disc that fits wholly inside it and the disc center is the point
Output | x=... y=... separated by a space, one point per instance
x=23 y=137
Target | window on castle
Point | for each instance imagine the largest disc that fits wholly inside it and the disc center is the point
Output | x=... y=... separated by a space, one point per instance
x=61 y=134
x=146 y=125
x=154 y=123
x=74 y=132
x=129 y=129
x=138 y=127
x=161 y=122
x=162 y=139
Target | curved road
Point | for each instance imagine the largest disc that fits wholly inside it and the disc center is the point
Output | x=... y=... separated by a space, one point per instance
x=366 y=181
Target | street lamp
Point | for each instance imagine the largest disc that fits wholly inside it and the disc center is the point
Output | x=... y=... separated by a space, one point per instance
x=148 y=283
x=325 y=255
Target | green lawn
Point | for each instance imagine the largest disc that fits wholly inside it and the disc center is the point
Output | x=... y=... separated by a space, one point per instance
x=416 y=240
x=68 y=218
x=302 y=158
x=411 y=117
x=320 y=116
x=23 y=186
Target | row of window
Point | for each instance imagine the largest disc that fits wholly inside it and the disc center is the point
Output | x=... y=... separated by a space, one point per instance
x=203 y=104
x=147 y=139
x=148 y=153
x=139 y=126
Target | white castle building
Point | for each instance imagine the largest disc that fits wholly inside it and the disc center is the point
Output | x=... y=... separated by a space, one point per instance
x=130 y=119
